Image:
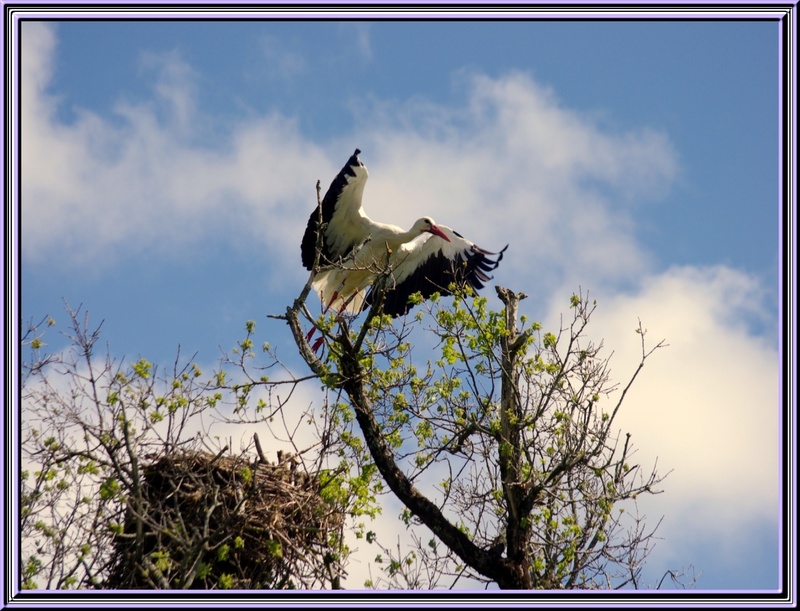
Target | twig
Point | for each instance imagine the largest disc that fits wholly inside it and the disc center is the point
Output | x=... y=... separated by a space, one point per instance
x=261 y=457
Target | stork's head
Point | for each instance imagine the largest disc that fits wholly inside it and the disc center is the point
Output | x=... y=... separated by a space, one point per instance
x=426 y=225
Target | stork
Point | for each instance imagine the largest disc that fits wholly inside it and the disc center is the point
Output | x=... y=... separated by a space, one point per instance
x=355 y=250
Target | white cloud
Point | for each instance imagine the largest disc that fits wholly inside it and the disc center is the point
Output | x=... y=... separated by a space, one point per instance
x=93 y=189
x=709 y=400
x=706 y=407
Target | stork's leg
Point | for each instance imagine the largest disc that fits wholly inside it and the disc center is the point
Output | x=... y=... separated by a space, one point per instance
x=325 y=311
x=319 y=341
x=317 y=344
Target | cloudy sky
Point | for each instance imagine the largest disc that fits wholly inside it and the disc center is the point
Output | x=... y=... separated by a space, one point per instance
x=169 y=169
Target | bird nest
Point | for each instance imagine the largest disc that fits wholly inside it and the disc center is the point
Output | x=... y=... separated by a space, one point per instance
x=206 y=521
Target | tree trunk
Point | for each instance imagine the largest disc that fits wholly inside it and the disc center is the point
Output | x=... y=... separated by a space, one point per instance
x=510 y=451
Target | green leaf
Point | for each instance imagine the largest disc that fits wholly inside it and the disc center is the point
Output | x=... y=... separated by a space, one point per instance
x=225 y=581
x=274 y=548
x=142 y=368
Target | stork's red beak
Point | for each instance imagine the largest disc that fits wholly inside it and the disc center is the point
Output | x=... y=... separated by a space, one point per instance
x=436 y=231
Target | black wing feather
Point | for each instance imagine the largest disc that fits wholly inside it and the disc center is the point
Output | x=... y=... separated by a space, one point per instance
x=435 y=274
x=308 y=247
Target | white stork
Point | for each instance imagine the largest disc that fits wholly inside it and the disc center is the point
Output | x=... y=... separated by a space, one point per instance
x=355 y=250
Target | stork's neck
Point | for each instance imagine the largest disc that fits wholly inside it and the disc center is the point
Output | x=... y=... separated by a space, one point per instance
x=392 y=235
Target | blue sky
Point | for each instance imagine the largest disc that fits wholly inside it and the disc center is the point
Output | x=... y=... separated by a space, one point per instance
x=169 y=169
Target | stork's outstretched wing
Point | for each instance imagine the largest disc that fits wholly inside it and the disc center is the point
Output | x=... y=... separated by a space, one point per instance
x=345 y=221
x=430 y=266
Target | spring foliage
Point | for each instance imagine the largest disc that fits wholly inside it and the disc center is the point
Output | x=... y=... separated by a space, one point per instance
x=500 y=438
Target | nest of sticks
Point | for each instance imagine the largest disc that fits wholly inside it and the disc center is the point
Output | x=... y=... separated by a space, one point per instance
x=206 y=521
